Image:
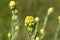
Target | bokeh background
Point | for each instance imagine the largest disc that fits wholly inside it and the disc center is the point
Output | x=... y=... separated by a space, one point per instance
x=33 y=8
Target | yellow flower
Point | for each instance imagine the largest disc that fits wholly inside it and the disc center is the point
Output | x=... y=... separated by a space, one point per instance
x=14 y=17
x=29 y=29
x=17 y=27
x=37 y=38
x=42 y=31
x=12 y=4
x=33 y=36
x=9 y=35
x=16 y=11
x=37 y=19
x=50 y=9
x=29 y=21
x=59 y=18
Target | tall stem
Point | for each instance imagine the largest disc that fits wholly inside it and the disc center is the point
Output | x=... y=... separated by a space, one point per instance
x=56 y=33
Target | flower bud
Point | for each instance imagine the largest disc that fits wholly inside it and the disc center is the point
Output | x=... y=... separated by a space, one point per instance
x=9 y=35
x=50 y=9
x=42 y=31
x=59 y=19
x=17 y=27
x=37 y=38
x=14 y=17
x=12 y=4
x=37 y=19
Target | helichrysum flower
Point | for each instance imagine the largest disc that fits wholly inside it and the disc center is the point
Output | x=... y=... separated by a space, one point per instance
x=29 y=29
x=16 y=11
x=37 y=38
x=17 y=27
x=42 y=31
x=9 y=35
x=14 y=17
x=29 y=21
x=50 y=9
x=37 y=19
x=33 y=36
x=59 y=19
x=12 y=4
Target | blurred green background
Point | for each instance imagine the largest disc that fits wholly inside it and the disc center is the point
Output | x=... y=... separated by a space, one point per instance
x=33 y=8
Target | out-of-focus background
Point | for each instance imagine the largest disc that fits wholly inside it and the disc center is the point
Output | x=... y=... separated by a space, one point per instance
x=33 y=8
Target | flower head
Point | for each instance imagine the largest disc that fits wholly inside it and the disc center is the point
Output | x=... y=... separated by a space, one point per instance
x=59 y=19
x=9 y=35
x=14 y=17
x=37 y=38
x=42 y=31
x=37 y=19
x=17 y=27
x=29 y=29
x=12 y=4
x=16 y=11
x=50 y=9
x=29 y=21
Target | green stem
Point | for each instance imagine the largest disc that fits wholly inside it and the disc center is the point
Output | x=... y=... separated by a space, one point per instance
x=35 y=32
x=44 y=25
x=56 y=33
x=14 y=32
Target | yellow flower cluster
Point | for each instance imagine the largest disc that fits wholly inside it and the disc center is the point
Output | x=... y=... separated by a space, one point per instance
x=12 y=4
x=29 y=21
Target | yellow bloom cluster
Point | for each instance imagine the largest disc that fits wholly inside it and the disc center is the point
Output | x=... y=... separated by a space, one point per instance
x=29 y=21
x=12 y=4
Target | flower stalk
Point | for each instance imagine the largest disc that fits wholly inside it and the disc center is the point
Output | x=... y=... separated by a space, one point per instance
x=32 y=25
x=14 y=21
x=50 y=10
x=57 y=30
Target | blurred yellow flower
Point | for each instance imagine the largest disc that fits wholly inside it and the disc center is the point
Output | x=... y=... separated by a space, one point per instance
x=14 y=17
x=37 y=19
x=17 y=27
x=29 y=29
x=29 y=21
x=42 y=31
x=12 y=4
x=59 y=19
x=33 y=36
x=16 y=11
x=50 y=9
x=9 y=35
x=37 y=38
